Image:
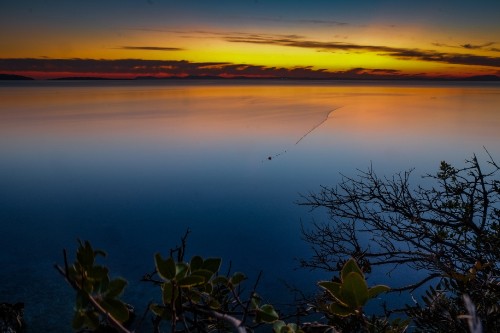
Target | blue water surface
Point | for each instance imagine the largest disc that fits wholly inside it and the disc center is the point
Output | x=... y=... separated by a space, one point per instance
x=131 y=166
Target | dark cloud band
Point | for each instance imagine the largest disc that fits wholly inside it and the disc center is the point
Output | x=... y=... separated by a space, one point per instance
x=150 y=48
x=399 y=53
x=140 y=67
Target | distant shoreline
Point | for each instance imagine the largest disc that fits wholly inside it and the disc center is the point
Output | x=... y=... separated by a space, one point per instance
x=479 y=78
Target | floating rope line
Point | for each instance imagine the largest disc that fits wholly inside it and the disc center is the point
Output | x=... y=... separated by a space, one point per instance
x=270 y=157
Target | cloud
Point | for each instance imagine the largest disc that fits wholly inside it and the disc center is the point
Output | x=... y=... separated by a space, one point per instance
x=301 y=21
x=150 y=48
x=44 y=68
x=399 y=53
x=476 y=47
x=469 y=46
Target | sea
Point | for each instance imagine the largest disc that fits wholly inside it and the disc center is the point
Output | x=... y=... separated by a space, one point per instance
x=132 y=166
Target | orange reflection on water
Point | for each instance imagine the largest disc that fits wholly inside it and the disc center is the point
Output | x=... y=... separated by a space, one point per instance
x=214 y=112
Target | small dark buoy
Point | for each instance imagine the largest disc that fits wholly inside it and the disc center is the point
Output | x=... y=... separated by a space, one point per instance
x=269 y=158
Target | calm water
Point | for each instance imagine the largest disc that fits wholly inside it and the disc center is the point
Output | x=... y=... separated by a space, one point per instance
x=132 y=165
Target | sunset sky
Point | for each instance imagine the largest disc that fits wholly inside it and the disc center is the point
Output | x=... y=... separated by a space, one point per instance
x=255 y=38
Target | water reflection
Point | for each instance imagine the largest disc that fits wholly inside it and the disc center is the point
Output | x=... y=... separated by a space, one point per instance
x=131 y=165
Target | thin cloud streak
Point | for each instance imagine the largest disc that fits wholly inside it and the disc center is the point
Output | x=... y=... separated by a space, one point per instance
x=399 y=53
x=150 y=48
x=300 y=21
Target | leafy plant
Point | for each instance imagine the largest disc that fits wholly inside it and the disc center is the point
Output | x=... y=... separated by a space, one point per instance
x=351 y=293
x=97 y=298
x=194 y=294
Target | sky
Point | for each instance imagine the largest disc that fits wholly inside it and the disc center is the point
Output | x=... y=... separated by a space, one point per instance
x=253 y=38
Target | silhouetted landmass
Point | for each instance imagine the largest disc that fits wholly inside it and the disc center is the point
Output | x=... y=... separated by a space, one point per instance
x=402 y=78
x=215 y=77
x=14 y=77
x=483 y=78
x=81 y=78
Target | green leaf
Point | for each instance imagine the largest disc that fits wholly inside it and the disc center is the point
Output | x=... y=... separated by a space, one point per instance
x=91 y=320
x=88 y=286
x=354 y=290
x=196 y=263
x=237 y=278
x=116 y=308
x=220 y=280
x=208 y=287
x=340 y=310
x=278 y=325
x=99 y=253
x=169 y=293
x=266 y=314
x=191 y=281
x=255 y=301
x=181 y=270
x=166 y=268
x=332 y=287
x=85 y=255
x=194 y=295
x=116 y=287
x=206 y=274
x=376 y=290
x=78 y=320
x=102 y=285
x=156 y=309
x=82 y=300
x=98 y=272
x=350 y=266
x=212 y=264
x=214 y=304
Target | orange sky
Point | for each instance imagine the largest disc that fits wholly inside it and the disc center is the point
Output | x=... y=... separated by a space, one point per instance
x=320 y=39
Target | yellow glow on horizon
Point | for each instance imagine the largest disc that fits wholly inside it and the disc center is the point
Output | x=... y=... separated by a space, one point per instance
x=212 y=46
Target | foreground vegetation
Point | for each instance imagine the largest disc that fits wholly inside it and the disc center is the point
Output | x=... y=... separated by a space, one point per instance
x=449 y=231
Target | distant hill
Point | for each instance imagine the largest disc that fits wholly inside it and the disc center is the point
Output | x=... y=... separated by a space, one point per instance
x=14 y=77
x=210 y=77
x=81 y=78
x=483 y=78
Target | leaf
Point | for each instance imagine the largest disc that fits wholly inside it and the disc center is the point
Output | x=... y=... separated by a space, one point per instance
x=206 y=274
x=99 y=253
x=166 y=268
x=332 y=287
x=116 y=287
x=91 y=320
x=212 y=264
x=82 y=300
x=156 y=309
x=214 y=304
x=278 y=325
x=266 y=314
x=196 y=263
x=116 y=308
x=191 y=281
x=354 y=290
x=377 y=290
x=340 y=310
x=98 y=272
x=169 y=293
x=181 y=270
x=78 y=320
x=85 y=255
x=255 y=301
x=220 y=280
x=350 y=266
x=237 y=278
